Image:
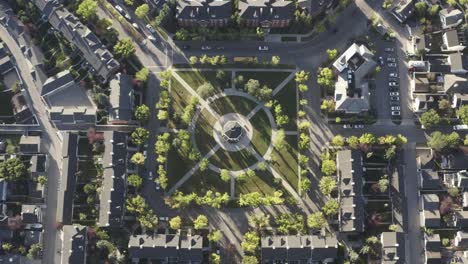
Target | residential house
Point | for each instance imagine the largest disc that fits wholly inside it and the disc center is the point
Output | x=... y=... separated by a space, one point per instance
x=112 y=196
x=432 y=249
x=403 y=10
x=100 y=59
x=67 y=183
x=266 y=14
x=431 y=214
x=349 y=170
x=351 y=88
x=166 y=248
x=30 y=144
x=461 y=219
x=314 y=7
x=121 y=99
x=299 y=249
x=5 y=65
x=461 y=239
x=74 y=240
x=450 y=17
x=453 y=40
x=211 y=13
x=21 y=111
x=392 y=247
x=67 y=102
x=451 y=63
x=459 y=100
x=458 y=179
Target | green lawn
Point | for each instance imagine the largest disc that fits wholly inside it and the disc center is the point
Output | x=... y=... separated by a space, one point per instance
x=6 y=108
x=180 y=99
x=270 y=79
x=196 y=78
x=285 y=161
x=287 y=97
x=200 y=182
x=262 y=183
x=233 y=104
x=233 y=160
x=176 y=167
x=204 y=132
x=87 y=169
x=262 y=132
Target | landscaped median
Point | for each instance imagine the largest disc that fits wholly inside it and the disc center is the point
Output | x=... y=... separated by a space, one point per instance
x=230 y=135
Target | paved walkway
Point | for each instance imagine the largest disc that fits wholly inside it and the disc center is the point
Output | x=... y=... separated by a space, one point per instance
x=283 y=83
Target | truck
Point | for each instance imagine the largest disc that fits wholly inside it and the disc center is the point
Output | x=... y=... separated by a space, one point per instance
x=460 y=127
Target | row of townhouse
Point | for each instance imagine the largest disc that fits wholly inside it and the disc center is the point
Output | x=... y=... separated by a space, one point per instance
x=440 y=212
x=252 y=13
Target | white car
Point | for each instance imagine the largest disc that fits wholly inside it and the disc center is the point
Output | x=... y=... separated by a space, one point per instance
x=135 y=25
x=120 y=9
x=263 y=48
x=391 y=59
x=394 y=98
x=392 y=84
x=395 y=108
x=359 y=126
x=151 y=29
x=150 y=176
x=347 y=126
x=205 y=47
x=392 y=64
x=394 y=94
x=396 y=113
x=393 y=75
x=389 y=49
x=163 y=218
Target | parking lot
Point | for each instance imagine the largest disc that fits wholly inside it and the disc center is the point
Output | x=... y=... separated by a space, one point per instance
x=385 y=95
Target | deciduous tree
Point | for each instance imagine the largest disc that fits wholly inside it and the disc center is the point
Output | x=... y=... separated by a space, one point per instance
x=316 y=220
x=87 y=9
x=124 y=48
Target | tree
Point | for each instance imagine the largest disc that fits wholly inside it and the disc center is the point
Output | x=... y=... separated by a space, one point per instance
x=136 y=205
x=453 y=139
x=215 y=258
x=390 y=152
x=224 y=175
x=393 y=228
x=328 y=106
x=453 y=191
x=338 y=141
x=206 y=90
x=367 y=139
x=204 y=164
x=353 y=142
x=304 y=141
x=175 y=223
x=35 y=251
x=328 y=167
x=163 y=115
x=250 y=242
x=331 y=207
x=259 y=221
x=421 y=9
x=129 y=2
x=249 y=260
x=462 y=113
x=437 y=141
x=316 y=220
x=139 y=136
x=42 y=180
x=275 y=60
x=387 y=4
x=302 y=88
x=430 y=118
x=193 y=59
x=138 y=158
x=134 y=180
x=301 y=76
x=325 y=78
x=12 y=169
x=124 y=48
x=304 y=185
x=279 y=142
x=87 y=9
x=148 y=220
x=142 y=11
x=142 y=75
x=465 y=142
x=262 y=166
x=327 y=184
x=142 y=113
x=215 y=236
x=383 y=184
x=200 y=222
x=260 y=32
x=332 y=54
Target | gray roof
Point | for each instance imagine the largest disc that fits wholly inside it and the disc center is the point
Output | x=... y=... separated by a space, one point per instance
x=403 y=10
x=430 y=179
x=456 y=61
x=191 y=248
x=461 y=239
x=452 y=16
x=158 y=246
x=32 y=237
x=68 y=178
x=121 y=97
x=31 y=214
x=30 y=144
x=392 y=247
x=451 y=38
x=74 y=31
x=266 y=10
x=299 y=248
x=204 y=10
x=462 y=218
x=74 y=244
x=431 y=210
x=112 y=197
x=432 y=247
x=5 y=64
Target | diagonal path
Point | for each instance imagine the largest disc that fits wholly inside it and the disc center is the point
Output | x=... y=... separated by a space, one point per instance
x=192 y=170
x=202 y=101
x=283 y=83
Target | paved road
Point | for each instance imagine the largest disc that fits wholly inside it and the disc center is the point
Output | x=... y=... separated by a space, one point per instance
x=50 y=144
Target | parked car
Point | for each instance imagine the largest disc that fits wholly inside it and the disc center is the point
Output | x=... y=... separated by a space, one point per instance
x=151 y=29
x=460 y=127
x=391 y=59
x=120 y=9
x=394 y=84
x=393 y=75
x=395 y=108
x=395 y=103
x=392 y=64
x=205 y=48
x=394 y=94
x=220 y=48
x=389 y=49
x=157 y=185
x=186 y=47
x=347 y=126
x=150 y=176
x=394 y=98
x=359 y=126
x=396 y=113
x=381 y=61
x=163 y=218
x=263 y=48
x=135 y=25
